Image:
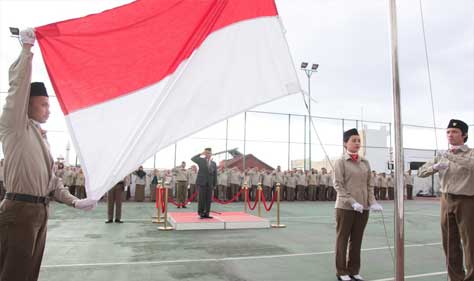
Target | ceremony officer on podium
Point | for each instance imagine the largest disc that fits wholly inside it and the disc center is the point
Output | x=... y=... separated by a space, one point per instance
x=206 y=181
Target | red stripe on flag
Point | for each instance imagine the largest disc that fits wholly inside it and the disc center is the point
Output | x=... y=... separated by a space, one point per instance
x=103 y=56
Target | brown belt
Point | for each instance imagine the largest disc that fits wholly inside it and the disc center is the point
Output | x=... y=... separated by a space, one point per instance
x=27 y=198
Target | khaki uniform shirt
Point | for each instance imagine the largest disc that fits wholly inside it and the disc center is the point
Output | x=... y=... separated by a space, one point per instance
x=181 y=174
x=301 y=179
x=351 y=182
x=291 y=181
x=314 y=179
x=235 y=177
x=382 y=182
x=408 y=179
x=267 y=180
x=223 y=178
x=325 y=178
x=390 y=182
x=255 y=177
x=278 y=177
x=28 y=161
x=192 y=177
x=458 y=178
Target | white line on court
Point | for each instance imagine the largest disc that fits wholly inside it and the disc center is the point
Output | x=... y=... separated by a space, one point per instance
x=414 y=276
x=221 y=259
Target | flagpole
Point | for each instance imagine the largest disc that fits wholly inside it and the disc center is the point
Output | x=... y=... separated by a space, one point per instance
x=399 y=203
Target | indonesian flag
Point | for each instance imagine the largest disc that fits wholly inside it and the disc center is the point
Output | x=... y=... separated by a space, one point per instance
x=137 y=78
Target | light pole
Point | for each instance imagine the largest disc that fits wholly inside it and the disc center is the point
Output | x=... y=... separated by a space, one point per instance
x=309 y=72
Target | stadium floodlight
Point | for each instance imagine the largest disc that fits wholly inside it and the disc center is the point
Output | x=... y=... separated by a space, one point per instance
x=314 y=67
x=304 y=65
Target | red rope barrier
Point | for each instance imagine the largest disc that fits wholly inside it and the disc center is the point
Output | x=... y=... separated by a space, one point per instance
x=236 y=196
x=265 y=203
x=248 y=200
x=171 y=200
x=163 y=205
x=157 y=199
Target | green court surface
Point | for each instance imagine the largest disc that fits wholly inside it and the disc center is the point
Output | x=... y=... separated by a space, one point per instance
x=81 y=246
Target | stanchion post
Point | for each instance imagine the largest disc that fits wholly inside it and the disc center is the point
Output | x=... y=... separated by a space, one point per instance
x=157 y=219
x=165 y=226
x=259 y=197
x=246 y=190
x=278 y=225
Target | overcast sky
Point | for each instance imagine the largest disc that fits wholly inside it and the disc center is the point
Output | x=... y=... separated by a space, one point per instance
x=350 y=41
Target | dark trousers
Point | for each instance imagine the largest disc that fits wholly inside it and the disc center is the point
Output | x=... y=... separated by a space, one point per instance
x=2 y=191
x=322 y=193
x=331 y=193
x=383 y=193
x=457 y=228
x=114 y=199
x=350 y=227
x=391 y=193
x=205 y=197
x=409 y=192
x=192 y=189
x=377 y=192
x=222 y=192
x=300 y=192
x=267 y=193
x=22 y=239
x=234 y=190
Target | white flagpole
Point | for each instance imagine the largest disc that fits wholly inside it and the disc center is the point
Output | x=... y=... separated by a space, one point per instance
x=399 y=168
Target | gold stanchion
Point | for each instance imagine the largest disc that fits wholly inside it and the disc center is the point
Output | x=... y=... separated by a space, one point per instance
x=246 y=188
x=259 y=197
x=165 y=226
x=278 y=225
x=157 y=218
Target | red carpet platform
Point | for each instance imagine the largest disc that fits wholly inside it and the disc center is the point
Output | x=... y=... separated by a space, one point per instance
x=225 y=220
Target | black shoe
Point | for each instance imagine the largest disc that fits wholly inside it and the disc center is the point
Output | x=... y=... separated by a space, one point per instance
x=202 y=217
x=179 y=207
x=344 y=278
x=109 y=221
x=118 y=221
x=357 y=277
x=184 y=207
x=207 y=217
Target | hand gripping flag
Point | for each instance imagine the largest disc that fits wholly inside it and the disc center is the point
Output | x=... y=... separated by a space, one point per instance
x=137 y=78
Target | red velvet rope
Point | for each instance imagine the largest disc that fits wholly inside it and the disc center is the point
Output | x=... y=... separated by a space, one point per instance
x=171 y=200
x=157 y=196
x=163 y=205
x=265 y=203
x=248 y=200
x=236 y=196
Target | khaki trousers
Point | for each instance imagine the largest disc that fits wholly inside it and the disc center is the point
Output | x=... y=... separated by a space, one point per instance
x=350 y=227
x=457 y=217
x=22 y=239
x=114 y=199
x=181 y=191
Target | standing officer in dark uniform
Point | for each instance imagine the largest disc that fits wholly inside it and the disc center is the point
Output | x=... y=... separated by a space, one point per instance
x=206 y=181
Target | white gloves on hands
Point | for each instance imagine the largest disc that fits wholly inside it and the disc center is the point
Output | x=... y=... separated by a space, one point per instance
x=358 y=207
x=440 y=166
x=27 y=36
x=376 y=207
x=85 y=204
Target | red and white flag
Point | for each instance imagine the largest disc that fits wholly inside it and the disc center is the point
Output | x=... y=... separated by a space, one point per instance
x=137 y=78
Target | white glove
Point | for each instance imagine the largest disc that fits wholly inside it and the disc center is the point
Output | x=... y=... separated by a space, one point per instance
x=27 y=36
x=358 y=207
x=85 y=204
x=376 y=207
x=440 y=166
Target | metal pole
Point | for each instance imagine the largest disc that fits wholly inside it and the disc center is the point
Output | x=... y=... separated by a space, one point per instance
x=289 y=140
x=245 y=140
x=343 y=133
x=154 y=161
x=175 y=148
x=399 y=203
x=226 y=140
x=310 y=118
x=304 y=153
